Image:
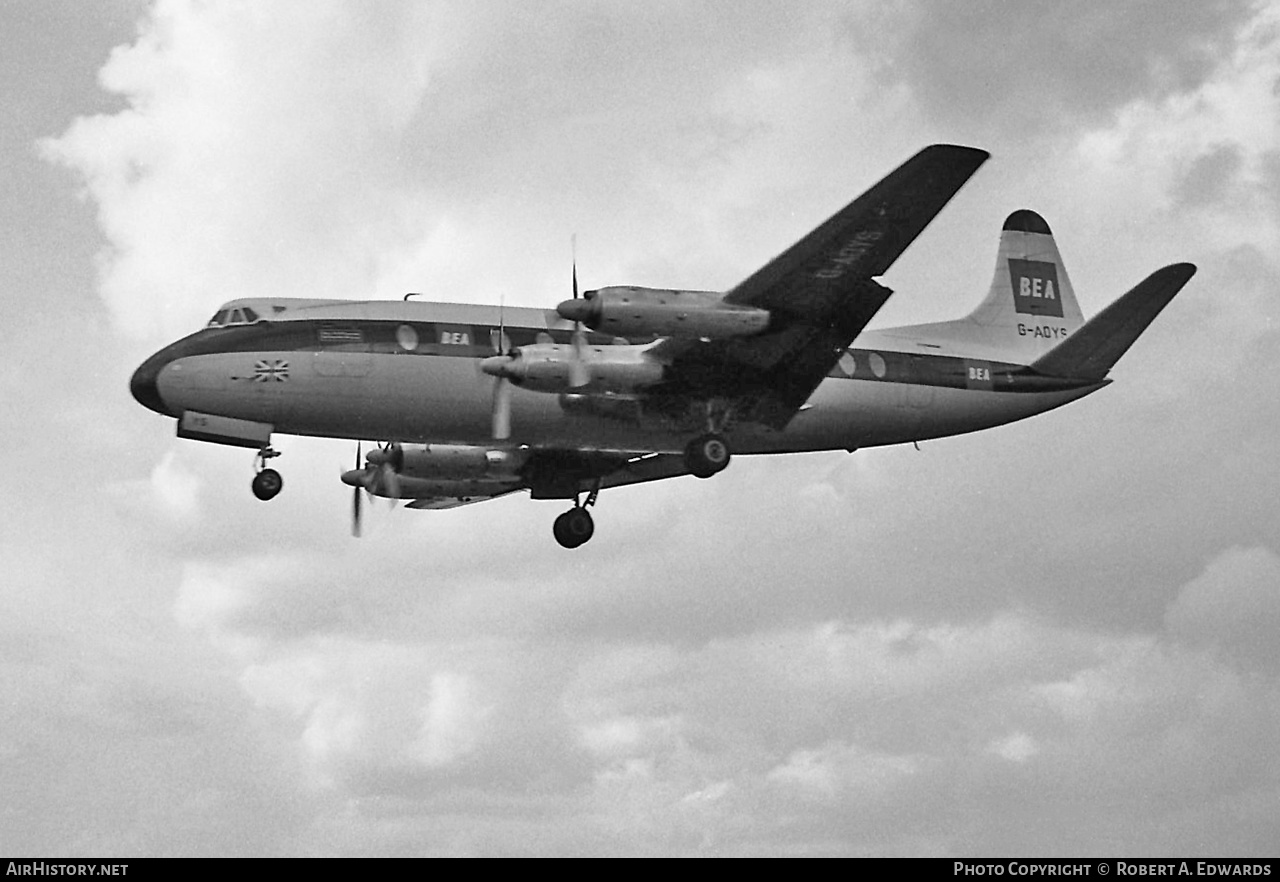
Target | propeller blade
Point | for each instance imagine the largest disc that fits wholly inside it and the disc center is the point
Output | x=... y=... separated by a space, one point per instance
x=501 y=409
x=579 y=372
x=503 y=344
x=355 y=512
x=355 y=501
x=389 y=482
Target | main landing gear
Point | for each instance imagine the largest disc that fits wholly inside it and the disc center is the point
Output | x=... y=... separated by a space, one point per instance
x=707 y=455
x=267 y=483
x=575 y=526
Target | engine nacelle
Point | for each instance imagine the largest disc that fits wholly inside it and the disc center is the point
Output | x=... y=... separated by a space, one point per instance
x=627 y=311
x=451 y=462
x=554 y=367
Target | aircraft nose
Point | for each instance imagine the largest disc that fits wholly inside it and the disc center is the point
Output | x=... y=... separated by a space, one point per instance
x=144 y=387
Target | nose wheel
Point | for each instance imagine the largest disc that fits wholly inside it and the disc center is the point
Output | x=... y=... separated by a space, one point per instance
x=267 y=483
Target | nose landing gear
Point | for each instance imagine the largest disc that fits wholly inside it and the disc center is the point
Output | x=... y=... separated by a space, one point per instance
x=267 y=483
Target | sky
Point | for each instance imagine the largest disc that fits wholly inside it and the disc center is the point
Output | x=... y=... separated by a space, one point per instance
x=1054 y=638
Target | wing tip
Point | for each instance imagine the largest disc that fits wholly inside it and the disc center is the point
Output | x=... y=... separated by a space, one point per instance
x=975 y=153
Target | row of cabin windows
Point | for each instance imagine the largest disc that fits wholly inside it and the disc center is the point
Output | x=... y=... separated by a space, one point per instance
x=241 y=315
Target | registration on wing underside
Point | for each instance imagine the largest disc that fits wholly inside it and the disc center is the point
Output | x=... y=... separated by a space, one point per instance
x=820 y=292
x=862 y=239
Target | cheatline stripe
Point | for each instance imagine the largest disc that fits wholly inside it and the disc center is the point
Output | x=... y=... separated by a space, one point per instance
x=477 y=341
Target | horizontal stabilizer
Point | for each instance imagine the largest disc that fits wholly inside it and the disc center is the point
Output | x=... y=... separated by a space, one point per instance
x=1092 y=350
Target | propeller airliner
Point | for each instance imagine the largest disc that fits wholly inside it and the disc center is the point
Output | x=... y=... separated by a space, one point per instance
x=623 y=385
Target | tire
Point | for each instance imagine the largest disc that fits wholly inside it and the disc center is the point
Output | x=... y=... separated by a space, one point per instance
x=573 y=528
x=267 y=484
x=707 y=455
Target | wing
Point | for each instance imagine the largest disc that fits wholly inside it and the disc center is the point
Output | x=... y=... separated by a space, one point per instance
x=578 y=472
x=820 y=292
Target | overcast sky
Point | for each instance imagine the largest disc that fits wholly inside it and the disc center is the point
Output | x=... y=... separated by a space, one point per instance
x=1053 y=638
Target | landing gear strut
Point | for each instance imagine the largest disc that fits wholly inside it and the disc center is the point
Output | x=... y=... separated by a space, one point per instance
x=575 y=526
x=267 y=483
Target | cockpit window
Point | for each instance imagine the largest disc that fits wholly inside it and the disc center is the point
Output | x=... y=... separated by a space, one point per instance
x=240 y=315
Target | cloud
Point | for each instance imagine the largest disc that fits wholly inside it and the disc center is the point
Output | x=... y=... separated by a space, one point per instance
x=257 y=156
x=1203 y=155
x=1234 y=605
x=799 y=732
x=1042 y=68
x=1016 y=747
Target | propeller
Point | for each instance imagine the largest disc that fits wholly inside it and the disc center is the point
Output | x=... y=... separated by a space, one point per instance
x=385 y=477
x=500 y=366
x=379 y=475
x=355 y=500
x=579 y=370
x=501 y=409
x=501 y=417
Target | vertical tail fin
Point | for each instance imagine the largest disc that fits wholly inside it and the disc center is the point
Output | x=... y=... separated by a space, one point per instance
x=1031 y=306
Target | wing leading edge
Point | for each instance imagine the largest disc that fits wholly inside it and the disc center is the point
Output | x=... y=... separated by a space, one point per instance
x=820 y=292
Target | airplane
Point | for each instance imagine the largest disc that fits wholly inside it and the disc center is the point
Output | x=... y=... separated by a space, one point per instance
x=622 y=385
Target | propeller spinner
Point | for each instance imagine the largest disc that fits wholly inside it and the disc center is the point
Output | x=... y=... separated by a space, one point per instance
x=378 y=475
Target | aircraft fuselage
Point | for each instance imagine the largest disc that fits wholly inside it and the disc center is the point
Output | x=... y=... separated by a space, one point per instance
x=409 y=372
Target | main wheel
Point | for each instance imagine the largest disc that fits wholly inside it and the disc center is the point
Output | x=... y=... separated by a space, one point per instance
x=574 y=527
x=707 y=455
x=266 y=484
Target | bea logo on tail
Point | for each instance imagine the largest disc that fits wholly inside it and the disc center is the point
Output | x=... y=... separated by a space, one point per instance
x=1035 y=287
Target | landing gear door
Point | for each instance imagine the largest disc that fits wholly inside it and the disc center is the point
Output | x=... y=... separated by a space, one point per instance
x=224 y=430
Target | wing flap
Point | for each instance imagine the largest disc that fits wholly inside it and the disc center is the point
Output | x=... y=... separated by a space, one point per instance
x=651 y=467
x=440 y=503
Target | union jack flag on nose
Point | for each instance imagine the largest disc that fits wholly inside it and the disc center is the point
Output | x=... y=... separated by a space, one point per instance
x=267 y=370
